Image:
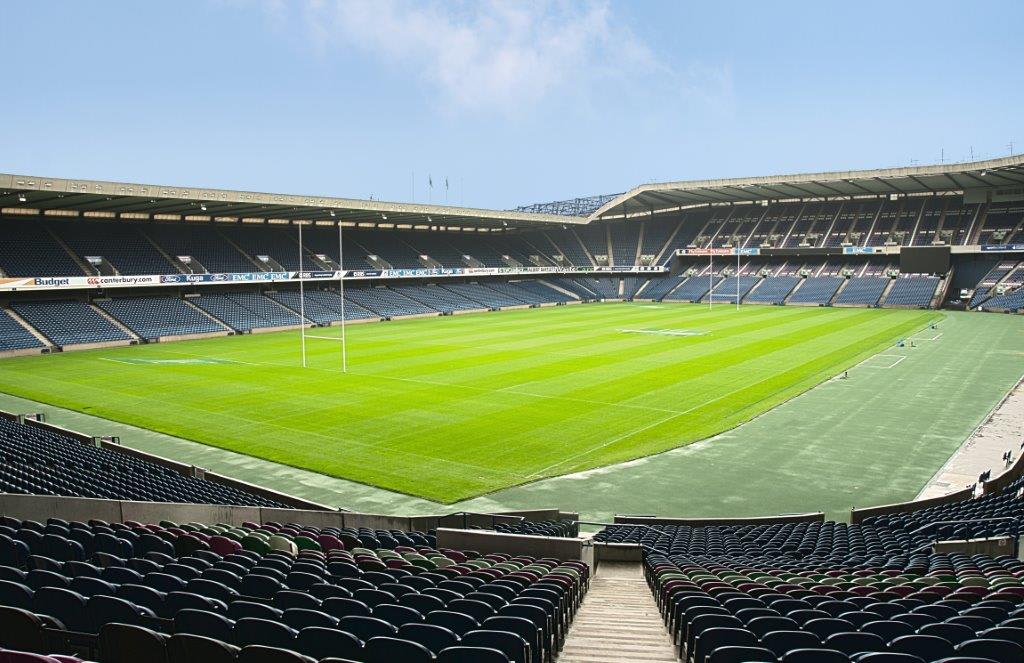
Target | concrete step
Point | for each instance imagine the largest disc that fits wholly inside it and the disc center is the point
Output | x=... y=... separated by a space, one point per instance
x=618 y=621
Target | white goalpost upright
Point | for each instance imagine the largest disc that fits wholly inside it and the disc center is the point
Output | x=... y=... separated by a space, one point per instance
x=711 y=278
x=302 y=301
x=341 y=286
x=737 y=278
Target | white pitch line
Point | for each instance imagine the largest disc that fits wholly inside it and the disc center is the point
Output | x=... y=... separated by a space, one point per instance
x=933 y=338
x=896 y=363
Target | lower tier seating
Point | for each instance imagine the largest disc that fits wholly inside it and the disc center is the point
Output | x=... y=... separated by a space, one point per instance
x=69 y=322
x=15 y=337
x=863 y=291
x=276 y=592
x=155 y=317
x=816 y=290
x=39 y=461
x=912 y=291
x=773 y=290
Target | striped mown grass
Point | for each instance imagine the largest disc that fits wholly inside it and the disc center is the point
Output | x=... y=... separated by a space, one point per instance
x=454 y=407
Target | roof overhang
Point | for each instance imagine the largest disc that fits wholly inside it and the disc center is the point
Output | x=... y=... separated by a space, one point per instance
x=91 y=198
x=918 y=180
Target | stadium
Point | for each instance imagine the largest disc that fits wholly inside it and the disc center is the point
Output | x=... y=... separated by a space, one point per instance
x=758 y=418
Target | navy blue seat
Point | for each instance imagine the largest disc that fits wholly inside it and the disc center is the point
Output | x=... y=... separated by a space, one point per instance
x=321 y=643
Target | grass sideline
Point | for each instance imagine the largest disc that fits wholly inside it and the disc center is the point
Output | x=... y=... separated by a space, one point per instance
x=455 y=407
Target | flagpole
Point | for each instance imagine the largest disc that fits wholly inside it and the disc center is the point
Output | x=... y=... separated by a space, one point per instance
x=341 y=284
x=302 y=301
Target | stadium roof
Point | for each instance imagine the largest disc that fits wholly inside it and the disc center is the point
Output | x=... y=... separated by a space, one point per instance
x=97 y=199
x=647 y=198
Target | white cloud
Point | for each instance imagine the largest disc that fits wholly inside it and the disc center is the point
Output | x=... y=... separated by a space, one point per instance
x=500 y=54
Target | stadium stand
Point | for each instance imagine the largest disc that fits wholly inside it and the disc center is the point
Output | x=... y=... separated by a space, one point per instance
x=658 y=287
x=69 y=322
x=204 y=244
x=38 y=461
x=912 y=291
x=604 y=287
x=862 y=291
x=816 y=290
x=245 y=311
x=15 y=337
x=439 y=298
x=772 y=290
x=28 y=249
x=152 y=318
x=693 y=289
x=122 y=245
x=573 y=286
x=726 y=289
x=535 y=290
x=631 y=285
x=279 y=592
x=482 y=296
x=385 y=302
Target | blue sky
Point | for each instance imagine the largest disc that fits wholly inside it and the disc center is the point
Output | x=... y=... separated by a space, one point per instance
x=513 y=102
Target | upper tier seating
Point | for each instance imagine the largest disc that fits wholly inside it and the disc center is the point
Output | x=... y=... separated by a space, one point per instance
x=864 y=291
x=205 y=244
x=912 y=291
x=27 y=249
x=15 y=337
x=155 y=317
x=816 y=290
x=245 y=311
x=773 y=290
x=625 y=238
x=38 y=461
x=352 y=594
x=122 y=245
x=69 y=322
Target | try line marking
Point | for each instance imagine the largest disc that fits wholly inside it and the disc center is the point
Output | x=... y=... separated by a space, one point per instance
x=933 y=338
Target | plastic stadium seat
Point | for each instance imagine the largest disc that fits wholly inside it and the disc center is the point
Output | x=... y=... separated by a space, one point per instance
x=854 y=643
x=185 y=648
x=365 y=628
x=64 y=605
x=889 y=657
x=714 y=638
x=433 y=637
x=342 y=607
x=15 y=595
x=472 y=655
x=814 y=656
x=388 y=650
x=1002 y=651
x=955 y=633
x=512 y=645
x=107 y=609
x=741 y=655
x=300 y=618
x=323 y=642
x=782 y=642
x=21 y=630
x=456 y=622
x=263 y=654
x=204 y=623
x=124 y=643
x=255 y=631
x=887 y=630
x=928 y=647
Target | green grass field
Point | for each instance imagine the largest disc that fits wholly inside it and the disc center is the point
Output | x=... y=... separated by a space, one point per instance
x=449 y=408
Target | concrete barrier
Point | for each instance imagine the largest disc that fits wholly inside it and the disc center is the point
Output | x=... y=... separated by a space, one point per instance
x=816 y=517
x=617 y=552
x=993 y=547
x=516 y=544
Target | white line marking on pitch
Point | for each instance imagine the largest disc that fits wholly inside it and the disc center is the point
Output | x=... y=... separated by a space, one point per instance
x=898 y=358
x=933 y=338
